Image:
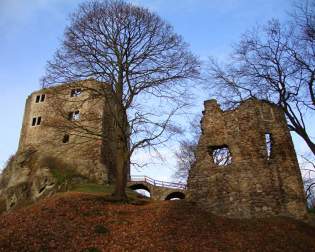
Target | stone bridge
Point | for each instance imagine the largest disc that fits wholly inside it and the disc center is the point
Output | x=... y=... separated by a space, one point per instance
x=159 y=190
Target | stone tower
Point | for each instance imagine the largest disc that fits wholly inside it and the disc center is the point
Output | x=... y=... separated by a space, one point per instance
x=73 y=123
x=246 y=165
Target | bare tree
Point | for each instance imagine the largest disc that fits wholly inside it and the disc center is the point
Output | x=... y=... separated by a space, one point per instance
x=275 y=62
x=185 y=155
x=308 y=172
x=140 y=60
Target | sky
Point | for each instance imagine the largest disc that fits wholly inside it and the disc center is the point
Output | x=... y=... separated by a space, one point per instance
x=32 y=30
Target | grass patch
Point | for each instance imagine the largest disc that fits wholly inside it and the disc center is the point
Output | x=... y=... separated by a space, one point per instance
x=92 y=188
x=106 y=192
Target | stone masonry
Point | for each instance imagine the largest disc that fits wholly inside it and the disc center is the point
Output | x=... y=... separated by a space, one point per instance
x=246 y=163
x=69 y=122
x=67 y=137
x=158 y=190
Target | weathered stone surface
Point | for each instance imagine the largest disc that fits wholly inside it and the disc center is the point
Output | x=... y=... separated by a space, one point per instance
x=84 y=148
x=31 y=174
x=254 y=184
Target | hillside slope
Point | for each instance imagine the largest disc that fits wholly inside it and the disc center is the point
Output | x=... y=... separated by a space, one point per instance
x=77 y=221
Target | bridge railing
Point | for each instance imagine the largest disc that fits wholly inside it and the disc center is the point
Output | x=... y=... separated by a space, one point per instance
x=154 y=182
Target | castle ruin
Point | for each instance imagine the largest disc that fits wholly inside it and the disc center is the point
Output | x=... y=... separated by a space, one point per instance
x=246 y=165
x=67 y=137
x=73 y=123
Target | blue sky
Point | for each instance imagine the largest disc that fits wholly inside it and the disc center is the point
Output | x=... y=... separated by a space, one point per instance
x=31 y=31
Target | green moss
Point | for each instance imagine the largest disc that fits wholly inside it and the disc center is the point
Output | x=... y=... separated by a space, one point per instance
x=62 y=172
x=63 y=175
x=92 y=188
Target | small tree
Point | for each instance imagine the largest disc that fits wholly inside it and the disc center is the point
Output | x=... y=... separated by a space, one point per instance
x=185 y=155
x=308 y=172
x=139 y=58
x=275 y=63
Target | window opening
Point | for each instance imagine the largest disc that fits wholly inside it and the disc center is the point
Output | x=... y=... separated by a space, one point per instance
x=40 y=98
x=34 y=121
x=75 y=92
x=221 y=155
x=66 y=138
x=74 y=116
x=39 y=119
x=37 y=98
x=268 y=142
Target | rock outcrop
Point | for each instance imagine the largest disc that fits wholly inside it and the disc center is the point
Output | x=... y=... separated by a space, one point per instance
x=31 y=175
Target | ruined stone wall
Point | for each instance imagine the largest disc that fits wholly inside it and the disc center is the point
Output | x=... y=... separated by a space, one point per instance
x=253 y=182
x=84 y=148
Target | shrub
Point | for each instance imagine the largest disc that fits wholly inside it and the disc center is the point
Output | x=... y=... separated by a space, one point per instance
x=101 y=229
x=311 y=209
x=10 y=161
x=4 y=179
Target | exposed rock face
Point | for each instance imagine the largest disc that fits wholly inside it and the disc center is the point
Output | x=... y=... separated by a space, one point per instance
x=31 y=175
x=246 y=164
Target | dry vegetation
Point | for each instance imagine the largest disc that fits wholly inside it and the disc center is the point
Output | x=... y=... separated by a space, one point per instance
x=86 y=221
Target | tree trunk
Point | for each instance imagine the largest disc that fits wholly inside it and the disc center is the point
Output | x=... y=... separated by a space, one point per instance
x=122 y=153
x=121 y=174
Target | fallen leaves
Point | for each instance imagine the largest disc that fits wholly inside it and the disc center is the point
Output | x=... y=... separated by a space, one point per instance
x=86 y=222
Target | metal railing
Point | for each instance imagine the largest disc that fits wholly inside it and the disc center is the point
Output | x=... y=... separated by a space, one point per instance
x=151 y=181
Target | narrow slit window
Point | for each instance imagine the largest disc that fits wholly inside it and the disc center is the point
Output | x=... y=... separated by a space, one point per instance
x=34 y=121
x=37 y=99
x=70 y=116
x=42 y=98
x=268 y=142
x=39 y=120
x=221 y=155
x=65 y=138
